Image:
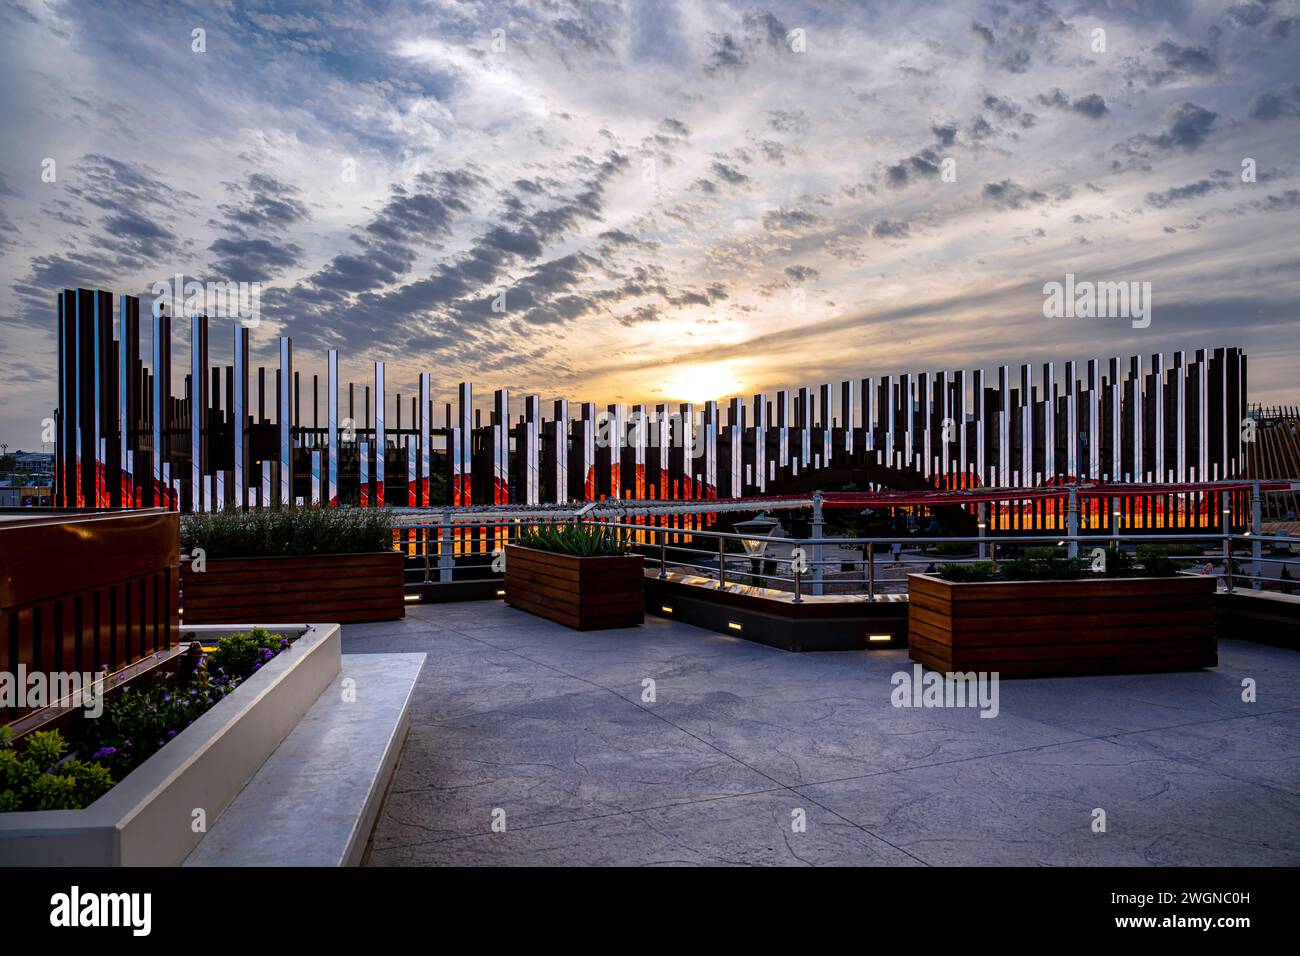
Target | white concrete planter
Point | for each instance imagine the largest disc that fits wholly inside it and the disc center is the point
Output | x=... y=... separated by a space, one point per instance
x=148 y=818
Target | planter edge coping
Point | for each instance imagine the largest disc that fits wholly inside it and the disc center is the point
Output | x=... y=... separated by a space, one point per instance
x=1165 y=577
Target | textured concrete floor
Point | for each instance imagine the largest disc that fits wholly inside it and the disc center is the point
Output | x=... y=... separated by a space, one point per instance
x=516 y=714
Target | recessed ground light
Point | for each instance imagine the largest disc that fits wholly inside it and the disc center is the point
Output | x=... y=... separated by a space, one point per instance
x=734 y=626
x=411 y=598
x=880 y=637
x=665 y=608
x=501 y=593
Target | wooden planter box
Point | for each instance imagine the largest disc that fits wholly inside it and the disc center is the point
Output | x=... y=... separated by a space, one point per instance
x=1060 y=628
x=584 y=593
x=312 y=589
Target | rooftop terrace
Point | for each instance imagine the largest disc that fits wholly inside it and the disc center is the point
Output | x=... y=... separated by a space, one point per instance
x=548 y=724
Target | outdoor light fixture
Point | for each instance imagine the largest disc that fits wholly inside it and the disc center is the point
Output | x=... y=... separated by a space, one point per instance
x=411 y=598
x=666 y=609
x=760 y=525
x=500 y=593
x=763 y=528
x=880 y=637
x=734 y=626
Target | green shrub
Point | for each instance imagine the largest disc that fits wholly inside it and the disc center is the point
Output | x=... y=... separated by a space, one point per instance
x=40 y=779
x=581 y=540
x=137 y=723
x=1055 y=564
x=967 y=573
x=1157 y=561
x=240 y=654
x=1043 y=564
x=287 y=532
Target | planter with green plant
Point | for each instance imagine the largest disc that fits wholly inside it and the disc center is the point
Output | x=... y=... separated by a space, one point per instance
x=307 y=565
x=582 y=575
x=1044 y=614
x=126 y=786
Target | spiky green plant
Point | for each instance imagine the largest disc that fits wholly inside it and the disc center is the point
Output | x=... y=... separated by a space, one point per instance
x=580 y=540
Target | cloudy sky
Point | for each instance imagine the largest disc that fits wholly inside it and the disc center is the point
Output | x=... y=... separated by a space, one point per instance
x=671 y=199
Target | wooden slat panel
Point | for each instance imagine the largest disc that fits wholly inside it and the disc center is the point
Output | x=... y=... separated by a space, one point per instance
x=209 y=588
x=922 y=643
x=1049 y=626
x=1041 y=629
x=568 y=593
x=583 y=593
x=312 y=589
x=985 y=656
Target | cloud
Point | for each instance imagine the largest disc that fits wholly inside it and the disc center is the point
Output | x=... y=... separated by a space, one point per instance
x=729 y=174
x=1189 y=126
x=253 y=260
x=788 y=220
x=1008 y=194
x=1198 y=60
x=788 y=121
x=518 y=173
x=1091 y=105
x=891 y=229
x=1276 y=104
x=1177 y=194
x=924 y=164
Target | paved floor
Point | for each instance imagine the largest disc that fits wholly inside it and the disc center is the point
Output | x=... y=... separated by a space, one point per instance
x=545 y=730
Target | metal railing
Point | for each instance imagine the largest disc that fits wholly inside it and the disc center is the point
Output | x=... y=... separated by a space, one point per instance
x=803 y=568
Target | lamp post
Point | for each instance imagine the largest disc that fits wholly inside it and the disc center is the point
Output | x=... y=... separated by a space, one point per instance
x=762 y=528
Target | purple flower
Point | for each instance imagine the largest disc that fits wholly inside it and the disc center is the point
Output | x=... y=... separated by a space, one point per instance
x=103 y=753
x=171 y=734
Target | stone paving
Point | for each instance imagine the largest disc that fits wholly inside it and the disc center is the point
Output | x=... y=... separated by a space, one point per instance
x=525 y=722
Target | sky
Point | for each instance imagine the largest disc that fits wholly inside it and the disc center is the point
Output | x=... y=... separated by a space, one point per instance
x=654 y=201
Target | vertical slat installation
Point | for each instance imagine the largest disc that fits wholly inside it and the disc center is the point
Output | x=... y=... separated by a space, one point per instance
x=240 y=413
x=282 y=413
x=1168 y=423
x=332 y=427
x=381 y=437
x=198 y=408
